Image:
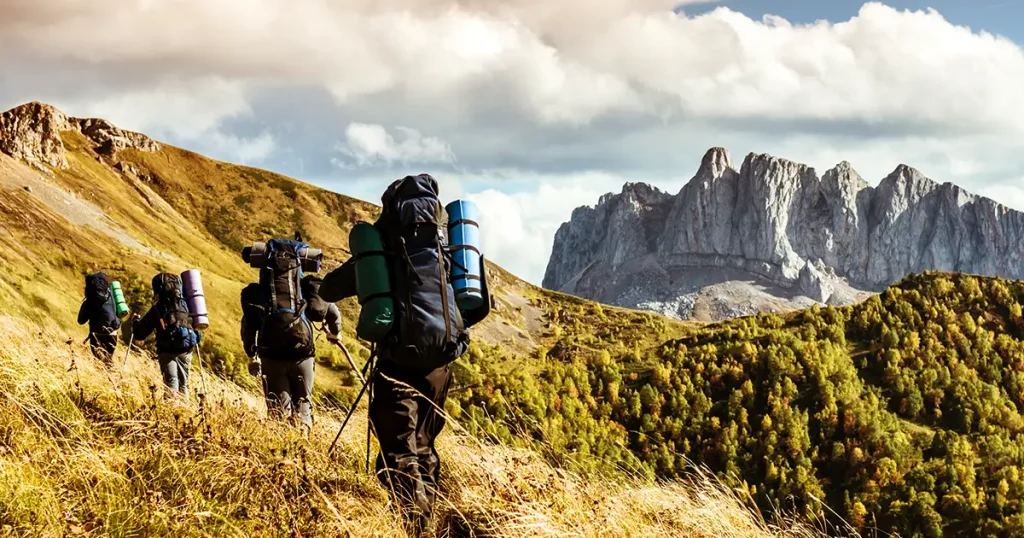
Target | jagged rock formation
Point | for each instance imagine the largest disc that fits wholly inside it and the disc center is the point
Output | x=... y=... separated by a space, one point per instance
x=31 y=132
x=777 y=228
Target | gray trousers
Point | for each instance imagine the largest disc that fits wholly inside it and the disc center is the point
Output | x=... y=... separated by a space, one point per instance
x=175 y=369
x=290 y=388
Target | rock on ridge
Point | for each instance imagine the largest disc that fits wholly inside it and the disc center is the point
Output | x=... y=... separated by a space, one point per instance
x=779 y=221
x=31 y=132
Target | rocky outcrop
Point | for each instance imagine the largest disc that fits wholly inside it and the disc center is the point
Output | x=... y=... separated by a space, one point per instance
x=783 y=226
x=629 y=225
x=111 y=139
x=31 y=133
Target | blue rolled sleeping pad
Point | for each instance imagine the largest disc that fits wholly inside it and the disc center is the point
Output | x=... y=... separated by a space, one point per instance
x=464 y=243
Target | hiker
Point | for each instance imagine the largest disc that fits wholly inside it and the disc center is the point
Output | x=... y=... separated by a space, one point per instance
x=278 y=336
x=410 y=383
x=98 y=309
x=175 y=337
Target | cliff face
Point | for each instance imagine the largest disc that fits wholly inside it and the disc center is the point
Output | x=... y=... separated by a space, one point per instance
x=781 y=229
x=31 y=132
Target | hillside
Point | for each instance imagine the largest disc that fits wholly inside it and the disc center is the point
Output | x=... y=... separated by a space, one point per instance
x=89 y=452
x=773 y=235
x=901 y=413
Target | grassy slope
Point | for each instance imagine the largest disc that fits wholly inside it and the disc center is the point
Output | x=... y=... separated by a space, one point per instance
x=89 y=452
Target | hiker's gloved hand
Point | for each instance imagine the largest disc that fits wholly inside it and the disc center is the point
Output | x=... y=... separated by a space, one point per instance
x=332 y=338
x=255 y=367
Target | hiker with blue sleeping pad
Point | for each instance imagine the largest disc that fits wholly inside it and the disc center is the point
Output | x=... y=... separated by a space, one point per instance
x=419 y=295
x=277 y=334
x=176 y=338
x=100 y=311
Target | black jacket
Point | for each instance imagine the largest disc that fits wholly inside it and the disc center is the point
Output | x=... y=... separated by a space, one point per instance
x=252 y=318
x=149 y=324
x=101 y=316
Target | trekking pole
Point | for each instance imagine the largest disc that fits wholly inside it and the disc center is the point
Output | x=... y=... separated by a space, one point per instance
x=352 y=409
x=369 y=423
x=128 y=349
x=202 y=376
x=351 y=362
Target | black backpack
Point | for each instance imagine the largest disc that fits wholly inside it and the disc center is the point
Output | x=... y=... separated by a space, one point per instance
x=316 y=308
x=103 y=314
x=253 y=303
x=428 y=331
x=175 y=333
x=286 y=334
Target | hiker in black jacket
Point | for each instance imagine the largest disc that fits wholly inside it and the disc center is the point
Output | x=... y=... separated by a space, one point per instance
x=99 y=312
x=410 y=384
x=175 y=337
x=287 y=383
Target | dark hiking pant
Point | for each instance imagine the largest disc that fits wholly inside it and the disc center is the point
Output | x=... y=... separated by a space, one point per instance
x=406 y=416
x=290 y=389
x=175 y=368
x=102 y=346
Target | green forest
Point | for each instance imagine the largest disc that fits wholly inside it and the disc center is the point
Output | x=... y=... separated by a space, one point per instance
x=900 y=414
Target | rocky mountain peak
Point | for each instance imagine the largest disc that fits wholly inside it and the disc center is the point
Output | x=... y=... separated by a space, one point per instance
x=31 y=132
x=715 y=163
x=776 y=223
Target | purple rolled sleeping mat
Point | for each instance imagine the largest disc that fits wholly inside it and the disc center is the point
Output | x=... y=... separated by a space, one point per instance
x=192 y=283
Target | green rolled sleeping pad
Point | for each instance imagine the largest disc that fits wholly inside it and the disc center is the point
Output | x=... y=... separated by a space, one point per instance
x=120 y=305
x=372 y=283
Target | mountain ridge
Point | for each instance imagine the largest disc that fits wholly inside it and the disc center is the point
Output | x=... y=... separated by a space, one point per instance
x=831 y=238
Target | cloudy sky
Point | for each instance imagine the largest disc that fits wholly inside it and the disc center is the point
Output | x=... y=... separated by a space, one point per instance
x=534 y=107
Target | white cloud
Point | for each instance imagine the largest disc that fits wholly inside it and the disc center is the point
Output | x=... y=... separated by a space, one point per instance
x=239 y=150
x=187 y=109
x=560 y=64
x=368 y=145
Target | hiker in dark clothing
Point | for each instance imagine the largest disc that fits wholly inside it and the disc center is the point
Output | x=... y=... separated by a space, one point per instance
x=287 y=383
x=99 y=312
x=175 y=337
x=410 y=383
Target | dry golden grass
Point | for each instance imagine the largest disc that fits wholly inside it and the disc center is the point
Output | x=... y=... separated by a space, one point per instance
x=90 y=452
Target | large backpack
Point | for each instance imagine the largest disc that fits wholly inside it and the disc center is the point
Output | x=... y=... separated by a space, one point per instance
x=286 y=334
x=428 y=330
x=253 y=303
x=316 y=308
x=103 y=315
x=175 y=333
